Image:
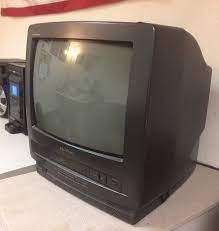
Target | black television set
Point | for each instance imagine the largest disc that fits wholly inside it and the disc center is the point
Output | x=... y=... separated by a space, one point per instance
x=115 y=110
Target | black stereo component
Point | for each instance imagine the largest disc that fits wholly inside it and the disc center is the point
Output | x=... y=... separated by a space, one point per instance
x=4 y=85
x=17 y=116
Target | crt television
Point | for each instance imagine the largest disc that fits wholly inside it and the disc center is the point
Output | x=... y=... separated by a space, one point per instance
x=115 y=110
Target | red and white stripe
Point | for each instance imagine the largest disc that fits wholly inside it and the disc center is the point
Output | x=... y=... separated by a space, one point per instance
x=21 y=8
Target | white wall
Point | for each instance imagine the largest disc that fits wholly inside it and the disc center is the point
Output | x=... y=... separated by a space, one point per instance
x=200 y=17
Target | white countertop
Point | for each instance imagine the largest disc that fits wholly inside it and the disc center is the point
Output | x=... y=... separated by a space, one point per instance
x=30 y=202
x=14 y=150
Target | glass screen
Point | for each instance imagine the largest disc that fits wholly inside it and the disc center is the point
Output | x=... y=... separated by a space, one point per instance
x=80 y=91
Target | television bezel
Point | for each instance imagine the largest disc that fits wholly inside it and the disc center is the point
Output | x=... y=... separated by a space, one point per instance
x=141 y=36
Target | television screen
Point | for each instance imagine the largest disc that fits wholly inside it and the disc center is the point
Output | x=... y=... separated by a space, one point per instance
x=80 y=91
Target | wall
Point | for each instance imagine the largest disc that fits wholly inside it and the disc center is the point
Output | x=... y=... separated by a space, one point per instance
x=200 y=17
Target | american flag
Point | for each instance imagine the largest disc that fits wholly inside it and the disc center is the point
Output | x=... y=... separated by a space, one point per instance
x=19 y=8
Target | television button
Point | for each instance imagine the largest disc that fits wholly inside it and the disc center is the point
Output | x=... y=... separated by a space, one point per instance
x=103 y=178
x=84 y=171
x=114 y=183
x=94 y=175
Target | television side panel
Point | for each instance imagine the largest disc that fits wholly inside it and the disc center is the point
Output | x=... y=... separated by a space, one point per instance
x=194 y=95
x=162 y=170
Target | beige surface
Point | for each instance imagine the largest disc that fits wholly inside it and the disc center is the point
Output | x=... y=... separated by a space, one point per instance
x=29 y=202
x=207 y=222
x=17 y=172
